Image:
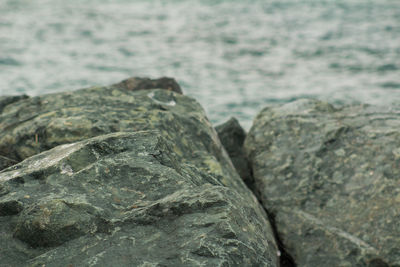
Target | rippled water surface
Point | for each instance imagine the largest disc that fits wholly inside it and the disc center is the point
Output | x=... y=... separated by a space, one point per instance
x=234 y=57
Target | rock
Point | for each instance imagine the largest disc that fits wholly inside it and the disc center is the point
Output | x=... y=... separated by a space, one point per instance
x=135 y=83
x=330 y=178
x=232 y=137
x=113 y=177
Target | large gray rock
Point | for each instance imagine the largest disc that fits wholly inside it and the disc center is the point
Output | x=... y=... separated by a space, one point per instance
x=148 y=185
x=331 y=178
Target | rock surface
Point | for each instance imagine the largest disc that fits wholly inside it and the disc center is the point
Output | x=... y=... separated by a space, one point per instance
x=113 y=177
x=331 y=179
x=232 y=137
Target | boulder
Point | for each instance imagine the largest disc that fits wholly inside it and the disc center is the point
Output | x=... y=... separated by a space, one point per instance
x=232 y=137
x=330 y=179
x=113 y=177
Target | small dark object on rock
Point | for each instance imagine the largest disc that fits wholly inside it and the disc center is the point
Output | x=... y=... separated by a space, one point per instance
x=136 y=83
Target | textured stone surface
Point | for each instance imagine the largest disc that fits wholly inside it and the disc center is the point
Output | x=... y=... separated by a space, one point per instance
x=148 y=185
x=331 y=178
x=124 y=199
x=232 y=137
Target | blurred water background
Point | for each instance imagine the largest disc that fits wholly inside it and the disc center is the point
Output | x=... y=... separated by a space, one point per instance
x=234 y=57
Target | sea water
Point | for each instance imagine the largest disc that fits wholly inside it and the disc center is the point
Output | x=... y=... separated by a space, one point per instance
x=234 y=57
